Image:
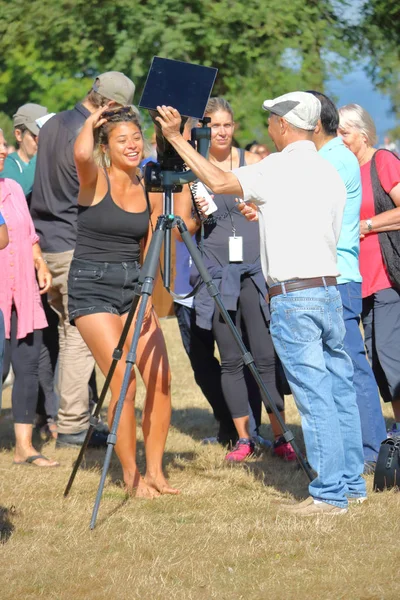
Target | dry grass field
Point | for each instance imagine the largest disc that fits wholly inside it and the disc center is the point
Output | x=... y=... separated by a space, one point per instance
x=223 y=537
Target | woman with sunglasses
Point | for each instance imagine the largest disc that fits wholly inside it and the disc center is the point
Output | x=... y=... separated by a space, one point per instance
x=113 y=229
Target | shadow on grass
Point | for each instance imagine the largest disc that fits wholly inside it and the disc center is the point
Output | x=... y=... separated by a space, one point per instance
x=94 y=460
x=6 y=526
x=7 y=438
x=198 y=423
x=108 y=515
x=288 y=478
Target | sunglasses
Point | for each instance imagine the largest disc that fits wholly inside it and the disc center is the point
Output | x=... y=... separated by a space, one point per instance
x=117 y=111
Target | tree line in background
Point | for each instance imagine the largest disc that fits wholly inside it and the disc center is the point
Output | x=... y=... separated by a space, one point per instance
x=379 y=35
x=262 y=48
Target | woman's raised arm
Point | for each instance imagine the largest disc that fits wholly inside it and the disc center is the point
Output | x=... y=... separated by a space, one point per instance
x=84 y=148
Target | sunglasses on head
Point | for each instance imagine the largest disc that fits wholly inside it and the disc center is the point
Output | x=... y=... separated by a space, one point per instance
x=116 y=111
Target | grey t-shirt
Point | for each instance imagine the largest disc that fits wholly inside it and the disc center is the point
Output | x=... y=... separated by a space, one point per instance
x=220 y=226
x=54 y=207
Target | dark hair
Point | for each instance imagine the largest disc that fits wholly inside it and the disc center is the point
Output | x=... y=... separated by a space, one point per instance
x=21 y=128
x=249 y=146
x=102 y=134
x=329 y=113
x=119 y=116
x=96 y=99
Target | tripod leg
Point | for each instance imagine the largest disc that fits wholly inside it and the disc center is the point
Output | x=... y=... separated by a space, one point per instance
x=94 y=419
x=246 y=356
x=147 y=277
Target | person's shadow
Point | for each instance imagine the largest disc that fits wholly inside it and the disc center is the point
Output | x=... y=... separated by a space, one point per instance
x=94 y=458
x=194 y=422
x=6 y=526
x=7 y=437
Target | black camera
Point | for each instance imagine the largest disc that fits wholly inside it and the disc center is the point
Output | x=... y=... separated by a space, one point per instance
x=186 y=87
x=168 y=160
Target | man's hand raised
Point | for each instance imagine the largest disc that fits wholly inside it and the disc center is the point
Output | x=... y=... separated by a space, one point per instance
x=170 y=121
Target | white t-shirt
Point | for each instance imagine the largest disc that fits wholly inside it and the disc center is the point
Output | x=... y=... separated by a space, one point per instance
x=301 y=198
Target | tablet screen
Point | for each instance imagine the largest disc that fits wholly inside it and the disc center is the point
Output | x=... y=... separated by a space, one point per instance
x=185 y=86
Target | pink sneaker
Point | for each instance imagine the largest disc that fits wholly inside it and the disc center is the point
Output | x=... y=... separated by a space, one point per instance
x=242 y=450
x=283 y=449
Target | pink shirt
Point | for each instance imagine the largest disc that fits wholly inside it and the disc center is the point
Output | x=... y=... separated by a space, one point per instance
x=372 y=266
x=18 y=283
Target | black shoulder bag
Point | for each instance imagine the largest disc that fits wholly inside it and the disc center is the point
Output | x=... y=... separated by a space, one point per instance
x=389 y=240
x=387 y=470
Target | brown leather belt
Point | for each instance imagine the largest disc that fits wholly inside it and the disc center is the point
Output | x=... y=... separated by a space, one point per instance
x=300 y=284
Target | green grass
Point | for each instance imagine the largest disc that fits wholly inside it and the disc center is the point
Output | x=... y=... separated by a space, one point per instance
x=222 y=538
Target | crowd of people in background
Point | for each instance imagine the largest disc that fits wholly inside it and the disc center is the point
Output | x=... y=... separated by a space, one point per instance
x=75 y=224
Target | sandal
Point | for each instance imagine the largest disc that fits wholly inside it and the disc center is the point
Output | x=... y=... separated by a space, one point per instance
x=30 y=460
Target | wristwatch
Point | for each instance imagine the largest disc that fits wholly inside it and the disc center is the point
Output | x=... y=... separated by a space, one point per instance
x=368 y=223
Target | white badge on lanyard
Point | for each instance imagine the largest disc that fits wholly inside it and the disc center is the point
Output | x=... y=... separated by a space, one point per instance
x=235 y=248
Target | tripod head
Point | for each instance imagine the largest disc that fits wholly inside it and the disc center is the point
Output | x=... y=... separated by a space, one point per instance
x=168 y=171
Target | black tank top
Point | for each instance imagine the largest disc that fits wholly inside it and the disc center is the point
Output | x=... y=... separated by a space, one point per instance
x=107 y=233
x=220 y=225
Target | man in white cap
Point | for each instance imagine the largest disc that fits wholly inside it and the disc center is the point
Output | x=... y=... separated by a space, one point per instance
x=20 y=165
x=54 y=211
x=299 y=198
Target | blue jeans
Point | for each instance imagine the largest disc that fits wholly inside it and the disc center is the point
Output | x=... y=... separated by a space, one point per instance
x=373 y=427
x=308 y=331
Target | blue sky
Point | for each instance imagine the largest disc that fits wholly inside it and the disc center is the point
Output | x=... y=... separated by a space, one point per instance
x=356 y=87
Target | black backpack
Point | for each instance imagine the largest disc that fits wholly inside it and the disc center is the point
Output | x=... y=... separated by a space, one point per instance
x=387 y=470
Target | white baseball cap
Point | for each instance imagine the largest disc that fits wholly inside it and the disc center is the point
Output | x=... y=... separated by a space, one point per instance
x=300 y=109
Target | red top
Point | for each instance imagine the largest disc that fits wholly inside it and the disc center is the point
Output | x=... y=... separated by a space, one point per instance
x=18 y=283
x=372 y=267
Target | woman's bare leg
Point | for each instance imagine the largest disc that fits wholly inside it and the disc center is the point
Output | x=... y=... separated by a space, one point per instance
x=154 y=368
x=242 y=426
x=276 y=428
x=24 y=447
x=101 y=333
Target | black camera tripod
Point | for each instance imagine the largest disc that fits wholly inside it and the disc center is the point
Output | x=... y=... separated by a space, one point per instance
x=144 y=289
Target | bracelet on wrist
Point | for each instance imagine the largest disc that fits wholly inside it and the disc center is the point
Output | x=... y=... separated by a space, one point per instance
x=368 y=223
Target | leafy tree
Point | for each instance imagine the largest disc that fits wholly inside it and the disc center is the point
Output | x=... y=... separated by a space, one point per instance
x=380 y=39
x=262 y=48
x=6 y=125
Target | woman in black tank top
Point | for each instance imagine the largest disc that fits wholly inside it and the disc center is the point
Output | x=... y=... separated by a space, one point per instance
x=243 y=290
x=113 y=227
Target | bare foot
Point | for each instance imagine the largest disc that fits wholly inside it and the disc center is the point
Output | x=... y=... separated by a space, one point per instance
x=144 y=490
x=137 y=486
x=160 y=484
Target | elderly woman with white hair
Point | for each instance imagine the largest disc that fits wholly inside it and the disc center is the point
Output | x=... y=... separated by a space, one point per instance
x=379 y=251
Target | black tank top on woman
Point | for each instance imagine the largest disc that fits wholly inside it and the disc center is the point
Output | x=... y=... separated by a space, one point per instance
x=107 y=233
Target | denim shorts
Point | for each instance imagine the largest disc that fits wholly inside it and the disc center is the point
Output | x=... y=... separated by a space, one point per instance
x=101 y=287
